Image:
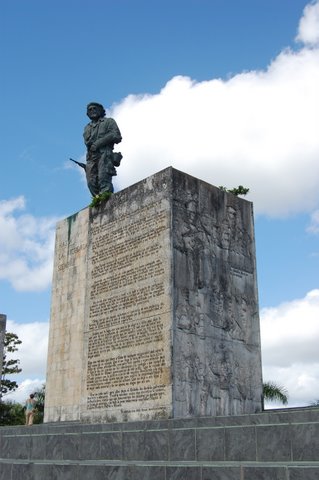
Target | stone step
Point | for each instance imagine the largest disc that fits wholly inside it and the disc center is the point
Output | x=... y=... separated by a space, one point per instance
x=267 y=417
x=290 y=437
x=114 y=470
x=273 y=445
x=266 y=443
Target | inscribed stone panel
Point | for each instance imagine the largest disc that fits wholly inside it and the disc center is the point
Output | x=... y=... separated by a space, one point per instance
x=129 y=311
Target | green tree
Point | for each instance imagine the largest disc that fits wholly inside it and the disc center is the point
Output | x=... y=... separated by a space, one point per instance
x=11 y=413
x=10 y=366
x=275 y=393
x=39 y=396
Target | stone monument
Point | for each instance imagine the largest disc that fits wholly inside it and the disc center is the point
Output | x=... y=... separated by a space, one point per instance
x=3 y=321
x=154 y=308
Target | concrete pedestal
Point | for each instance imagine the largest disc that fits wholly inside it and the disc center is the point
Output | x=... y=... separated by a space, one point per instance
x=154 y=306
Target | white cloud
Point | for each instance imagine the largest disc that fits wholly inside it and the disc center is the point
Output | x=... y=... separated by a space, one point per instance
x=258 y=129
x=32 y=353
x=308 y=31
x=26 y=246
x=26 y=387
x=314 y=223
x=290 y=338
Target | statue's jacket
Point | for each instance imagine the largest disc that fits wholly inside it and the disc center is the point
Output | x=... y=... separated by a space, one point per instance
x=103 y=134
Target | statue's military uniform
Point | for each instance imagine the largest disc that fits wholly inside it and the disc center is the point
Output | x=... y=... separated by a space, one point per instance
x=100 y=169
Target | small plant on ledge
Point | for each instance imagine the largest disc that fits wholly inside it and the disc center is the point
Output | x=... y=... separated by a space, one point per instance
x=240 y=190
x=98 y=199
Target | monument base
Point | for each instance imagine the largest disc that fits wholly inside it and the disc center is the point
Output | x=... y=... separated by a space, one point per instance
x=154 y=306
x=273 y=445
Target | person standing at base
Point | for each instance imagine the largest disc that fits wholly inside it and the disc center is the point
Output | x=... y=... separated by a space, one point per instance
x=100 y=135
x=30 y=410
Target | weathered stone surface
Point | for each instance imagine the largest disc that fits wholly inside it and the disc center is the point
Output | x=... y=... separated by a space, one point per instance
x=3 y=321
x=66 y=354
x=154 y=306
x=274 y=443
x=217 y=366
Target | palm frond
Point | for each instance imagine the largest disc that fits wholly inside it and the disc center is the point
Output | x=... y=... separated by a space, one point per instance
x=275 y=393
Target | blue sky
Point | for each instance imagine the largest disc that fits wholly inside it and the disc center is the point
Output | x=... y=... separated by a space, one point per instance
x=223 y=90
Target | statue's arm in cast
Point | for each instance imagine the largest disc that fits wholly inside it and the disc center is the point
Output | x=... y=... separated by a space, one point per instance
x=112 y=135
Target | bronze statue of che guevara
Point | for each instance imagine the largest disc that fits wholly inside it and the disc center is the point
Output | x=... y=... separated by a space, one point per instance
x=100 y=135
